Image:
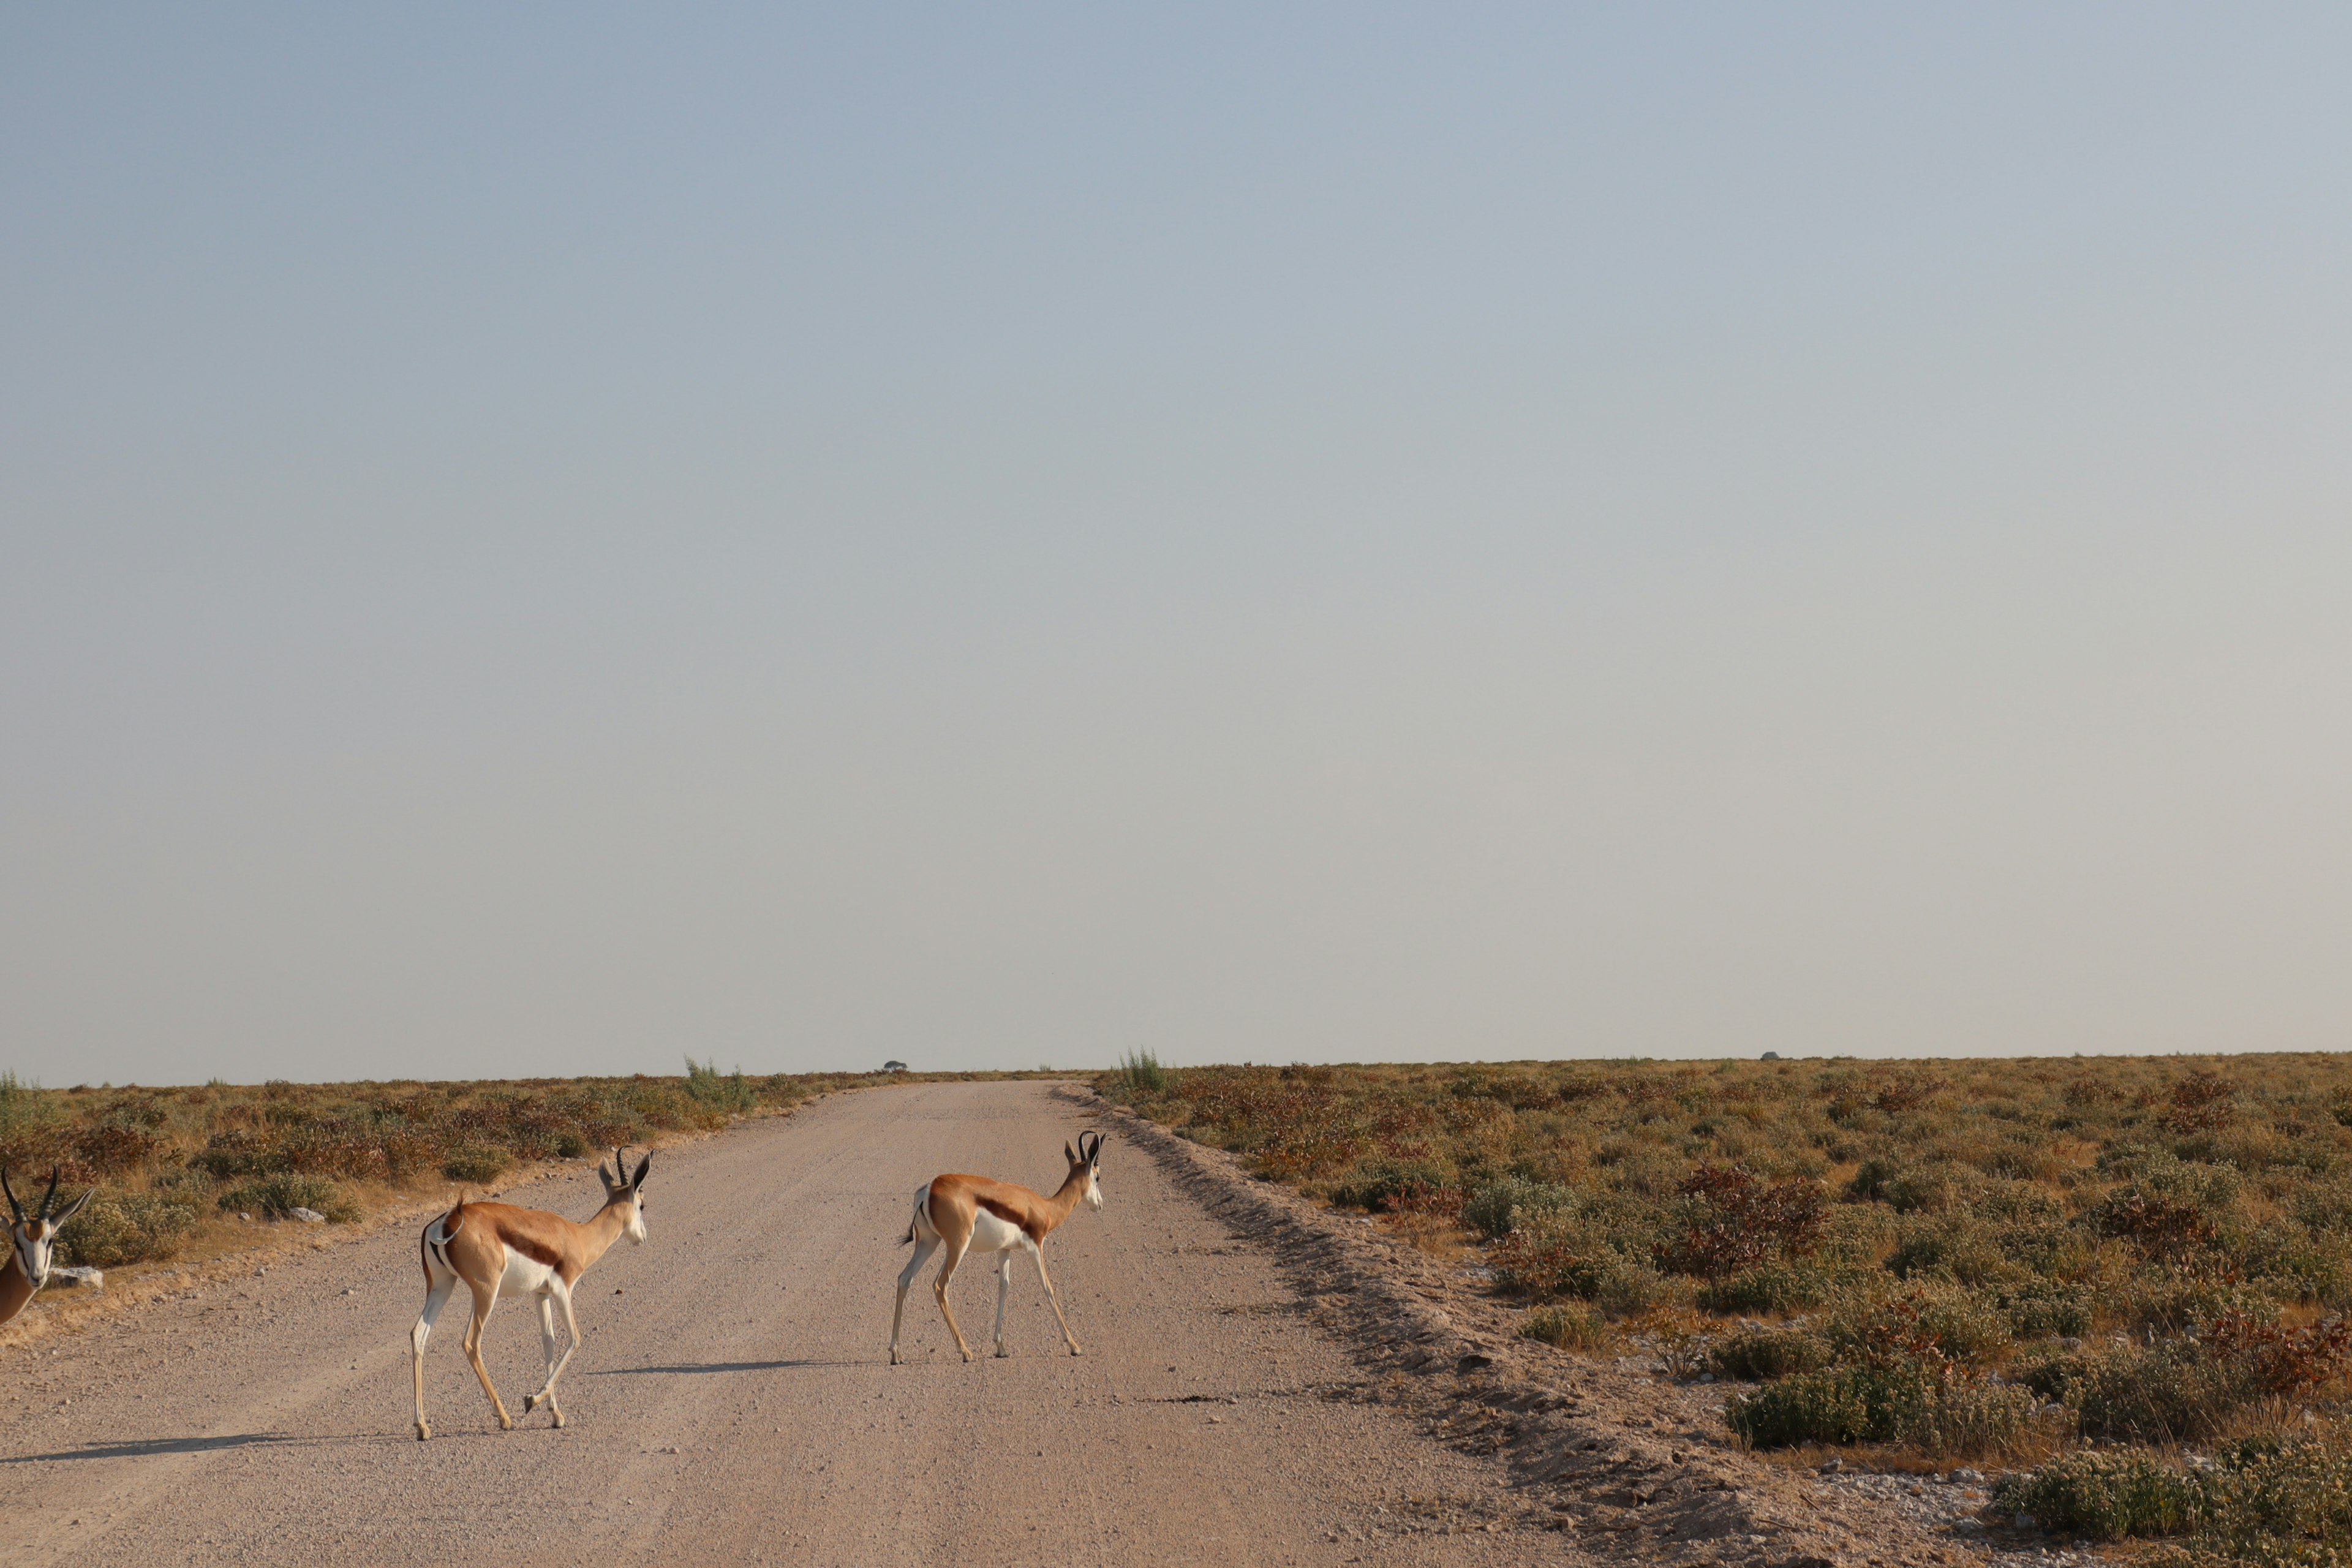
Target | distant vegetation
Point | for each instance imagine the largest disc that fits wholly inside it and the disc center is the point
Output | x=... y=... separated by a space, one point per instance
x=176 y=1168
x=2010 y=1259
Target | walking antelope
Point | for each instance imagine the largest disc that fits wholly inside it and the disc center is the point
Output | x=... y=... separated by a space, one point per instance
x=33 y=1244
x=499 y=1249
x=974 y=1213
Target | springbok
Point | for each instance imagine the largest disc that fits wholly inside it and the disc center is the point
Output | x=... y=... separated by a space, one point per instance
x=974 y=1214
x=499 y=1249
x=33 y=1244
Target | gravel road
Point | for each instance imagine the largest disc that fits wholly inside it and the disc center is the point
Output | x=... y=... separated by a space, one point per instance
x=731 y=1403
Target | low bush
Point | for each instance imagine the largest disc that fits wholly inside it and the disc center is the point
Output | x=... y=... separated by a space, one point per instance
x=474 y=1163
x=1837 y=1404
x=116 y=1229
x=1756 y=1355
x=1546 y=1261
x=1569 y=1328
x=1496 y=1209
x=2104 y=1495
x=1140 y=1073
x=276 y=1197
x=1796 y=1287
x=1376 y=1182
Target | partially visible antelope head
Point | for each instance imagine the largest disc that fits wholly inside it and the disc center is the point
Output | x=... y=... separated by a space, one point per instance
x=35 y=1237
x=620 y=1187
x=1086 y=1164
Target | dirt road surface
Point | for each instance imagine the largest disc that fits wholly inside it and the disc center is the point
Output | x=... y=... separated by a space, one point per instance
x=731 y=1402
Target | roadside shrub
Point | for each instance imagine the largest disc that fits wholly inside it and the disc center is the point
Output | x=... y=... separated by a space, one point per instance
x=474 y=1163
x=1918 y=1324
x=1627 y=1289
x=1794 y=1286
x=1757 y=1355
x=2151 y=1396
x=1838 y=1405
x=1498 y=1207
x=706 y=1085
x=1375 y=1182
x=2269 y=1502
x=116 y=1229
x=1969 y=1420
x=279 y=1196
x=1568 y=1328
x=1730 y=1219
x=1141 y=1074
x=2103 y=1495
x=1546 y=1261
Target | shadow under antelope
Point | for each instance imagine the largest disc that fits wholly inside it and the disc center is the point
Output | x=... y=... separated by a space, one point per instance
x=499 y=1250
x=968 y=1213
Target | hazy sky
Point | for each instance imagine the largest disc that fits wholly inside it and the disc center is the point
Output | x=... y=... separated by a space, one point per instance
x=541 y=541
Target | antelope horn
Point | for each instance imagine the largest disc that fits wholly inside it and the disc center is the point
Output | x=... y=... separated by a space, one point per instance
x=13 y=1205
x=49 y=1198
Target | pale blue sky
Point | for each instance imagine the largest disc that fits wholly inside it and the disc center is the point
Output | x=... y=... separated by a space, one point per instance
x=545 y=542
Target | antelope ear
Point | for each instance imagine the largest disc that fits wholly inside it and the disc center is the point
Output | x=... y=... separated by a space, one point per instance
x=643 y=1166
x=72 y=1209
x=1071 y=1155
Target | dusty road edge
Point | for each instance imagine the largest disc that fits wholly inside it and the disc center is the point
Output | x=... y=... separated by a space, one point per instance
x=1622 y=1460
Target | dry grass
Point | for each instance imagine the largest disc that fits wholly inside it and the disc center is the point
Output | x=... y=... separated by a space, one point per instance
x=1917 y=1261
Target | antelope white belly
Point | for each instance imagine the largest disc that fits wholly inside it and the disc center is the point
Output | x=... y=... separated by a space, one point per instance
x=989 y=1233
x=523 y=1275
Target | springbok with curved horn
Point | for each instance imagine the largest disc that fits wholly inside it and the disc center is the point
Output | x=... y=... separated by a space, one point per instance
x=499 y=1249
x=974 y=1214
x=33 y=1244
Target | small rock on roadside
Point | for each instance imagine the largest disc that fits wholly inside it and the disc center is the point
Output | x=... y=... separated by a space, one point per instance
x=308 y=1217
x=80 y=1275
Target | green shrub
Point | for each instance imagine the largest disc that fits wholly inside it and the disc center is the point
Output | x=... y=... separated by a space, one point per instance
x=1375 y=1183
x=117 y=1228
x=1548 y=1258
x=2171 y=1393
x=1569 y=1328
x=1838 y=1405
x=1799 y=1286
x=706 y=1085
x=2103 y=1495
x=1496 y=1207
x=1759 y=1354
x=476 y=1162
x=1969 y=1420
x=1627 y=1289
x=2041 y=1308
x=1139 y=1074
x=279 y=1196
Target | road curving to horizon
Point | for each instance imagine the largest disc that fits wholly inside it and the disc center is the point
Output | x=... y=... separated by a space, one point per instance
x=731 y=1402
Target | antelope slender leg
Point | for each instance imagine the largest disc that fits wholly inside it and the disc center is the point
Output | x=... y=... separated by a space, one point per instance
x=484 y=1299
x=1039 y=1254
x=940 y=1289
x=435 y=1298
x=1004 y=1289
x=923 y=1250
x=546 y=1394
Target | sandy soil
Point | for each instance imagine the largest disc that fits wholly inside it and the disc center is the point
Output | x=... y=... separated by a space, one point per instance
x=731 y=1403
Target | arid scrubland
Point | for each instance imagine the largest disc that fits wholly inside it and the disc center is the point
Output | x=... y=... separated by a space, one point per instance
x=2121 y=1279
x=187 y=1172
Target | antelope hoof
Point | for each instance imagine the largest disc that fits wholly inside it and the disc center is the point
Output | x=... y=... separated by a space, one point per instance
x=1074 y=1350
x=506 y=1422
x=559 y=1418
x=1000 y=1350
x=967 y=1356
x=530 y=1405
x=424 y=1430
x=895 y=1357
